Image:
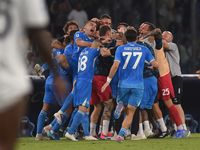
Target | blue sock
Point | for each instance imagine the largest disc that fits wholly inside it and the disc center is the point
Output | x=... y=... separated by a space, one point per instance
x=41 y=120
x=53 y=122
x=86 y=124
x=57 y=126
x=72 y=116
x=122 y=132
x=76 y=121
x=68 y=102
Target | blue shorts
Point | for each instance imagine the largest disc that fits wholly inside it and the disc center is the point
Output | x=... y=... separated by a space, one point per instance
x=82 y=93
x=50 y=96
x=150 y=92
x=113 y=85
x=131 y=96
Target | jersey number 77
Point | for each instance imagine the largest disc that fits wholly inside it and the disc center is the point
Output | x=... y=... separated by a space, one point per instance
x=129 y=54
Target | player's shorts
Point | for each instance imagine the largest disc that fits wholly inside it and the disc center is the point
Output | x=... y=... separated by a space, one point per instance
x=150 y=92
x=177 y=82
x=131 y=96
x=82 y=93
x=113 y=85
x=50 y=96
x=97 y=95
x=165 y=87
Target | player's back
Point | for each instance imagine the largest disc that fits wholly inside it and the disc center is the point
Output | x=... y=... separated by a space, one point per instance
x=132 y=58
x=77 y=50
x=86 y=63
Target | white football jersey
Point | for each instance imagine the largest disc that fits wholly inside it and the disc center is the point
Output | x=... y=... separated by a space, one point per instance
x=15 y=17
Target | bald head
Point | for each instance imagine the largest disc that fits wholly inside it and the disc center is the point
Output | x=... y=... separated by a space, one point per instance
x=167 y=36
x=96 y=43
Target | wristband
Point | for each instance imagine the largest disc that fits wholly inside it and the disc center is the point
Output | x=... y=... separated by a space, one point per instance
x=109 y=79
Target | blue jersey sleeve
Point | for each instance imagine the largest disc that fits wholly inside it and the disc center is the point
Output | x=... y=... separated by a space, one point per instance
x=58 y=52
x=149 y=57
x=78 y=35
x=118 y=55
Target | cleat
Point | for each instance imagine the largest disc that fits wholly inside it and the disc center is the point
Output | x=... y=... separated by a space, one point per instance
x=118 y=110
x=173 y=133
x=135 y=137
x=90 y=138
x=110 y=134
x=47 y=129
x=70 y=136
x=119 y=139
x=128 y=135
x=96 y=136
x=161 y=134
x=38 y=69
x=187 y=133
x=179 y=133
x=39 y=137
x=58 y=118
x=141 y=137
x=66 y=130
x=149 y=133
x=115 y=136
x=53 y=136
x=105 y=136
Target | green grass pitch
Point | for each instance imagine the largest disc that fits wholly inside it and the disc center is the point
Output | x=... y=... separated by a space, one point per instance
x=190 y=143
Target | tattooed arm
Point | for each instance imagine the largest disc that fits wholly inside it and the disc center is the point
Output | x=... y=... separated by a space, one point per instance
x=157 y=33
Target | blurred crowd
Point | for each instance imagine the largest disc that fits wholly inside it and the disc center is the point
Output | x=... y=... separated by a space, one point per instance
x=172 y=15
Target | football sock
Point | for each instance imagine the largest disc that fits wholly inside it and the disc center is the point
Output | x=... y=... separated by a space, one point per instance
x=68 y=102
x=184 y=126
x=140 y=131
x=53 y=122
x=93 y=128
x=146 y=125
x=174 y=127
x=175 y=115
x=100 y=129
x=105 y=126
x=86 y=123
x=122 y=132
x=162 y=125
x=72 y=116
x=58 y=126
x=41 y=120
x=76 y=121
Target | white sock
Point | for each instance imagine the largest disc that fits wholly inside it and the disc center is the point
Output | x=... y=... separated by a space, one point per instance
x=52 y=132
x=100 y=129
x=184 y=126
x=151 y=126
x=93 y=128
x=105 y=126
x=60 y=112
x=140 y=131
x=162 y=125
x=174 y=127
x=180 y=127
x=146 y=126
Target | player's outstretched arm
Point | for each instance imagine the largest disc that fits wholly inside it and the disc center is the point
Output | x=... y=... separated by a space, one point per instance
x=154 y=66
x=81 y=43
x=157 y=33
x=62 y=60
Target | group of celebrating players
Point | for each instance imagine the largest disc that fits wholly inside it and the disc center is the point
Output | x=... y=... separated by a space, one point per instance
x=115 y=71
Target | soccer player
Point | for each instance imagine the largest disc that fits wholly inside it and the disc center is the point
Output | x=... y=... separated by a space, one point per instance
x=83 y=86
x=70 y=25
x=173 y=58
x=129 y=59
x=165 y=87
x=18 y=16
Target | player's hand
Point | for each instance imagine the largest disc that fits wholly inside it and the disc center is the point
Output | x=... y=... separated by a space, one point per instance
x=38 y=69
x=107 y=40
x=152 y=68
x=104 y=87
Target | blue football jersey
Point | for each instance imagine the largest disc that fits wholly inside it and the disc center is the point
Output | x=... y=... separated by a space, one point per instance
x=68 y=50
x=86 y=63
x=77 y=50
x=132 y=58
